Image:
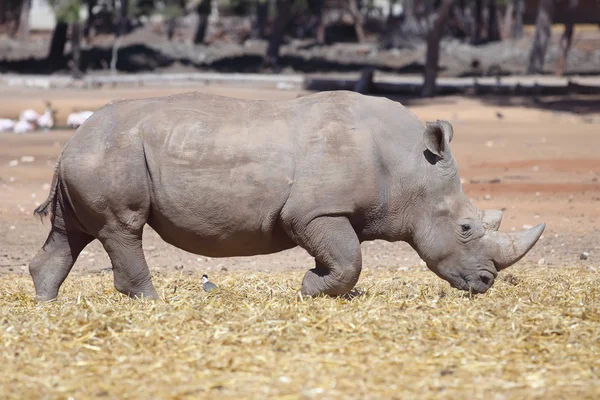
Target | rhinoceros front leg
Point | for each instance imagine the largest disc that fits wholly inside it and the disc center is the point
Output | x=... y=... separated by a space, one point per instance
x=336 y=249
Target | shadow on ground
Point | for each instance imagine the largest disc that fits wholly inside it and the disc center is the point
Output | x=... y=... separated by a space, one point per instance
x=583 y=105
x=132 y=58
x=576 y=104
x=141 y=58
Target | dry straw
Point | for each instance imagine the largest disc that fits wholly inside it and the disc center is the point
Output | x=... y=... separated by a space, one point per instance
x=535 y=334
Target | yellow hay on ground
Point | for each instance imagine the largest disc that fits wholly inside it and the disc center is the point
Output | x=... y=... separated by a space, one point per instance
x=535 y=334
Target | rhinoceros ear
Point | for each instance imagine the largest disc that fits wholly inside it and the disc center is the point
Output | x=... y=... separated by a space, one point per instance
x=447 y=128
x=437 y=137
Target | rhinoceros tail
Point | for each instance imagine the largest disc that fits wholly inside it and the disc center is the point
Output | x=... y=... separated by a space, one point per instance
x=43 y=209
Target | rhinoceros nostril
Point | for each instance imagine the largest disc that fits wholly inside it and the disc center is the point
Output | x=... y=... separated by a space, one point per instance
x=485 y=279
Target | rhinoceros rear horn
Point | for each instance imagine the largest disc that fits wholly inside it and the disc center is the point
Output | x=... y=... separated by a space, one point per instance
x=508 y=248
x=492 y=219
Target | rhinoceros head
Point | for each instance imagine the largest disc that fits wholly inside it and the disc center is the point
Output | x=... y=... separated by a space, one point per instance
x=458 y=241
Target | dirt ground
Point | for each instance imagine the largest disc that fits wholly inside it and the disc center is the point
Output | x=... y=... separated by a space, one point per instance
x=536 y=165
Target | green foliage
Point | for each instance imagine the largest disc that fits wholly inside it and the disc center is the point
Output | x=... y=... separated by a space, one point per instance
x=172 y=11
x=142 y=7
x=300 y=6
x=13 y=6
x=66 y=10
x=239 y=7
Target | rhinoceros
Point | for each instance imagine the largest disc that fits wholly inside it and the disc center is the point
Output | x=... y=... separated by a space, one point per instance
x=225 y=177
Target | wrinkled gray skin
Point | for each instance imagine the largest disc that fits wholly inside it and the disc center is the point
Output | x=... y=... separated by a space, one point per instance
x=225 y=177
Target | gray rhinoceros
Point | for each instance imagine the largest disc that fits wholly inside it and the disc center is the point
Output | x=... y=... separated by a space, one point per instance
x=225 y=177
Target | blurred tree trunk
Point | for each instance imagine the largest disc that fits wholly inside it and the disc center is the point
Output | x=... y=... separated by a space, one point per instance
x=172 y=22
x=2 y=12
x=543 y=31
x=433 y=48
x=171 y=25
x=76 y=48
x=517 y=26
x=508 y=20
x=567 y=37
x=458 y=12
x=201 y=29
x=283 y=16
x=121 y=28
x=14 y=22
x=477 y=19
x=390 y=15
x=320 y=21
x=90 y=19
x=24 y=21
x=262 y=16
x=58 y=42
x=466 y=17
x=410 y=24
x=493 y=33
x=204 y=9
x=358 y=20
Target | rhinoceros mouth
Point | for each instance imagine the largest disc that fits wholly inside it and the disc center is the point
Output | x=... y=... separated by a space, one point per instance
x=478 y=282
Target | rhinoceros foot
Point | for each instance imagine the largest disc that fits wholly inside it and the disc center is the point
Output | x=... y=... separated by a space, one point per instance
x=322 y=280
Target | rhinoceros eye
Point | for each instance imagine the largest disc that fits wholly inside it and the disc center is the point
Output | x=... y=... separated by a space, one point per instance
x=465 y=228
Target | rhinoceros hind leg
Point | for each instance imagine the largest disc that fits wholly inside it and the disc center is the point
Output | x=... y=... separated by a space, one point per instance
x=51 y=265
x=335 y=246
x=131 y=273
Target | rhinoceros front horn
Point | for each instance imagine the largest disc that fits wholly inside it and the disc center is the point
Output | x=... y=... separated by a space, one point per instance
x=508 y=248
x=492 y=219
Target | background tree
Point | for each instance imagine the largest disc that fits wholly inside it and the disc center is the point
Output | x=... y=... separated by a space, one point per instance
x=66 y=12
x=203 y=8
x=8 y=10
x=3 y=7
x=76 y=47
x=24 y=20
x=11 y=12
x=567 y=37
x=493 y=28
x=543 y=31
x=90 y=18
x=517 y=19
x=172 y=11
x=410 y=25
x=433 y=48
x=262 y=18
x=318 y=8
x=508 y=19
x=358 y=20
x=283 y=16
x=477 y=22
x=120 y=31
x=58 y=42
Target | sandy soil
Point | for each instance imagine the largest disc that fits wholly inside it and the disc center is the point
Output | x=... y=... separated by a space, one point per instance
x=536 y=165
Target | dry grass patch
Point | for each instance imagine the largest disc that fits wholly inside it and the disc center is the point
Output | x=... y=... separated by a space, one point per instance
x=535 y=334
